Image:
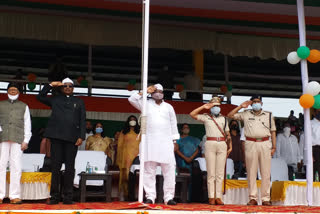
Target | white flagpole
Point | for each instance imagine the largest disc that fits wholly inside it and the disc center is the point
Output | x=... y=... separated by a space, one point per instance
x=307 y=125
x=144 y=79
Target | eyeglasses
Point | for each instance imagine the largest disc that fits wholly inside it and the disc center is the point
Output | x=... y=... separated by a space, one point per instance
x=68 y=86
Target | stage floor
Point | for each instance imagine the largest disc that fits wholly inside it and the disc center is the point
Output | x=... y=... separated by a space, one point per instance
x=126 y=207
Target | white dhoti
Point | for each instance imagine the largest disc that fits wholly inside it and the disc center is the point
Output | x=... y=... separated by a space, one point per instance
x=10 y=152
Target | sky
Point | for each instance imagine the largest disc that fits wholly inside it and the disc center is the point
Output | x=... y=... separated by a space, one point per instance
x=280 y=107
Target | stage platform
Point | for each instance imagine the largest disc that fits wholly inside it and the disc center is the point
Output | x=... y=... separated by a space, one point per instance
x=126 y=207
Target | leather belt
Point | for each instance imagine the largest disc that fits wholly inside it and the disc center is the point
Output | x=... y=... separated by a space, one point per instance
x=262 y=139
x=216 y=138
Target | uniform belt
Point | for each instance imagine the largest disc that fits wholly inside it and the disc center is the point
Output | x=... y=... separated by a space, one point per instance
x=216 y=138
x=261 y=139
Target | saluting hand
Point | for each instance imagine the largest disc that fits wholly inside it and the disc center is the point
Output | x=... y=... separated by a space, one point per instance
x=56 y=84
x=246 y=104
x=79 y=142
x=208 y=105
x=151 y=89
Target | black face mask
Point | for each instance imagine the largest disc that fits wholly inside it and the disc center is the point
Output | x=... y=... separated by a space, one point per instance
x=318 y=116
x=234 y=127
x=88 y=130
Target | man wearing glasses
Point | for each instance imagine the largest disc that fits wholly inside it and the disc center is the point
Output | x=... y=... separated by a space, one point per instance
x=66 y=130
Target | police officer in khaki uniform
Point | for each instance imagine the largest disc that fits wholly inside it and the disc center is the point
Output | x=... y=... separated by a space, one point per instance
x=216 y=149
x=259 y=126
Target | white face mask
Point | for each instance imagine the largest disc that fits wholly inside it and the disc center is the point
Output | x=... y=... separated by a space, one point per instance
x=13 y=97
x=157 y=96
x=132 y=123
x=287 y=131
x=215 y=110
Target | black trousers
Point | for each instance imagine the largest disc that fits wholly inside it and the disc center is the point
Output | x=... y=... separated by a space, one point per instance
x=316 y=158
x=62 y=152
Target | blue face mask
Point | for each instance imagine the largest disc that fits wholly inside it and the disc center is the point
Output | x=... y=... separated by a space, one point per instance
x=215 y=110
x=256 y=106
x=99 y=130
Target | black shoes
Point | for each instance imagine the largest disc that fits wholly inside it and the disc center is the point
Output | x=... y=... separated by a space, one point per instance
x=148 y=201
x=68 y=202
x=171 y=202
x=52 y=202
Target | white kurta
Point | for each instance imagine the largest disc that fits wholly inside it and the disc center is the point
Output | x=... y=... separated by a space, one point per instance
x=315 y=131
x=288 y=149
x=303 y=151
x=161 y=130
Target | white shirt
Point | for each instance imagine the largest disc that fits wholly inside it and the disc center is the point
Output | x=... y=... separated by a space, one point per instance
x=83 y=145
x=288 y=149
x=161 y=130
x=27 y=126
x=242 y=137
x=202 y=144
x=303 y=152
x=315 y=131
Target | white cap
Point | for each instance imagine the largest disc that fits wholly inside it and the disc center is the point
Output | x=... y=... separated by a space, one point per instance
x=159 y=87
x=67 y=80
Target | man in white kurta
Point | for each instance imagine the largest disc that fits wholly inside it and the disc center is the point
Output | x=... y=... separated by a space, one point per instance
x=288 y=149
x=16 y=132
x=161 y=133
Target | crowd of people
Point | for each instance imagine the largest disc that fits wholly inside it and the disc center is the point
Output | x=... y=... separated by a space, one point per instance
x=250 y=147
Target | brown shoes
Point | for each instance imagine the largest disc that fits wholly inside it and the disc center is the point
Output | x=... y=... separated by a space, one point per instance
x=266 y=203
x=212 y=201
x=252 y=202
x=16 y=201
x=219 y=202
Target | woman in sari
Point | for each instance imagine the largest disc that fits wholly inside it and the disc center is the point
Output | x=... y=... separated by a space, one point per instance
x=128 y=149
x=188 y=148
x=98 y=142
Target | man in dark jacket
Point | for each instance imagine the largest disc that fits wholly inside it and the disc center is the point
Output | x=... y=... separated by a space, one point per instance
x=66 y=130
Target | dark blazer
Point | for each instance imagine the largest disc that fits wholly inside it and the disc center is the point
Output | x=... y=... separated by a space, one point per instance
x=68 y=118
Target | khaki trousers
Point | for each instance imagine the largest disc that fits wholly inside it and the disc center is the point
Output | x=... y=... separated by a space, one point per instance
x=215 y=154
x=258 y=154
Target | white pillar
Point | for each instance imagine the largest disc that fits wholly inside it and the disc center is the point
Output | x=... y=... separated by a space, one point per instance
x=144 y=83
x=305 y=80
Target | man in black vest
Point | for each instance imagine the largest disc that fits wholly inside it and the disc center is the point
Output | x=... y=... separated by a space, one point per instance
x=15 y=134
x=66 y=130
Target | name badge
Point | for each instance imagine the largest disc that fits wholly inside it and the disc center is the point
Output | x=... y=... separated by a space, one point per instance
x=251 y=119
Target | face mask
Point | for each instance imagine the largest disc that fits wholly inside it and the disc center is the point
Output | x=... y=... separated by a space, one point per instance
x=215 y=110
x=132 y=123
x=256 y=106
x=157 y=96
x=318 y=116
x=88 y=130
x=13 y=97
x=99 y=130
x=234 y=127
x=185 y=131
x=287 y=131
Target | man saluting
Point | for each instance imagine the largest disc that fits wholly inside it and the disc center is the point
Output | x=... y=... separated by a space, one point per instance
x=66 y=129
x=161 y=135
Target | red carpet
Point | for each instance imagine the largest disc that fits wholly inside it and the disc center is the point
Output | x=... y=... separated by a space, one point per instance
x=138 y=206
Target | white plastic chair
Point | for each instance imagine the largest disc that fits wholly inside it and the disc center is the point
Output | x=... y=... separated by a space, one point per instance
x=279 y=170
x=31 y=160
x=95 y=158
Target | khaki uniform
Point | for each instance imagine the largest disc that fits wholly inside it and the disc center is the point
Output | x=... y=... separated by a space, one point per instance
x=258 y=153
x=215 y=153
